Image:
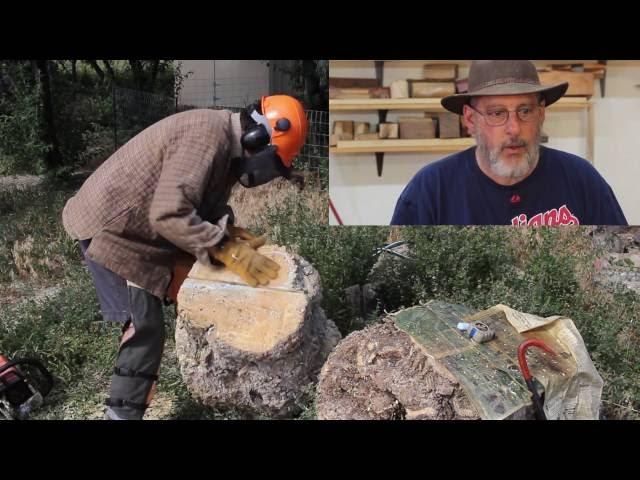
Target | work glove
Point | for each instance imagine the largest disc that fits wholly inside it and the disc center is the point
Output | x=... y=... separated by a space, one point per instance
x=242 y=235
x=205 y=236
x=244 y=261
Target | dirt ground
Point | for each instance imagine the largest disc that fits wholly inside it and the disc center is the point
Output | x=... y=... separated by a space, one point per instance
x=19 y=181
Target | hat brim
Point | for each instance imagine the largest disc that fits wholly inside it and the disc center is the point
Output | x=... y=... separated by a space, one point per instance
x=551 y=94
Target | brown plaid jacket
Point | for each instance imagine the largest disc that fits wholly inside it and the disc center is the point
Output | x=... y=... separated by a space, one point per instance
x=153 y=194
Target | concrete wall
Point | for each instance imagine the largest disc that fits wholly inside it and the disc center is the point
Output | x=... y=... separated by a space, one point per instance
x=361 y=197
x=229 y=83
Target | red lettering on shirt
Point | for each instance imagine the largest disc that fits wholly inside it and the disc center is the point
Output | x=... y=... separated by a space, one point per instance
x=553 y=217
x=535 y=221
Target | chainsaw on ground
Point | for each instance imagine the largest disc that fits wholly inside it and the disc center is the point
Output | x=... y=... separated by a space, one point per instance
x=21 y=389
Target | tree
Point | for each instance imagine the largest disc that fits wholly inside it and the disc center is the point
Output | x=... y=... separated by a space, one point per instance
x=309 y=80
x=145 y=72
x=60 y=112
x=53 y=158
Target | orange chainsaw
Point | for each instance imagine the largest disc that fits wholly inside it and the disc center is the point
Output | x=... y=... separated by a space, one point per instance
x=20 y=392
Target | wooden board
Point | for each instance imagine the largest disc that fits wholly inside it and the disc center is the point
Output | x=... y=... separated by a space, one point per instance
x=343 y=129
x=388 y=130
x=353 y=82
x=580 y=83
x=414 y=128
x=440 y=72
x=597 y=69
x=380 y=92
x=428 y=145
x=399 y=89
x=448 y=125
x=366 y=136
x=361 y=127
x=429 y=104
x=342 y=93
x=422 y=89
x=348 y=92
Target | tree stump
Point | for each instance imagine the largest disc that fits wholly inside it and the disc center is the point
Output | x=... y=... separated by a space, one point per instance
x=255 y=350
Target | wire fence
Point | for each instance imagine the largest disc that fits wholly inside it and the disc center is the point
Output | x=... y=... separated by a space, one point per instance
x=135 y=110
x=237 y=91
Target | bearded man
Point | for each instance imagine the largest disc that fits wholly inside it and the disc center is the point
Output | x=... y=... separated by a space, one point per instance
x=508 y=177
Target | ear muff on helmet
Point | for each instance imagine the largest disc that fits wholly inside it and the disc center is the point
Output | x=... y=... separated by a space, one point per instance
x=255 y=139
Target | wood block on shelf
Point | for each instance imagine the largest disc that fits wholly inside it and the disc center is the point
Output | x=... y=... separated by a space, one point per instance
x=333 y=140
x=343 y=129
x=367 y=136
x=448 y=125
x=388 y=130
x=353 y=82
x=361 y=127
x=440 y=72
x=413 y=127
x=399 y=89
x=380 y=92
x=580 y=83
x=598 y=69
x=348 y=92
x=423 y=89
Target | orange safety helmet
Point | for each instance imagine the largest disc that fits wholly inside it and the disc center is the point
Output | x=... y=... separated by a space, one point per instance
x=288 y=125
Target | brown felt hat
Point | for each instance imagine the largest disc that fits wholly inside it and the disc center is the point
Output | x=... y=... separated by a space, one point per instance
x=503 y=77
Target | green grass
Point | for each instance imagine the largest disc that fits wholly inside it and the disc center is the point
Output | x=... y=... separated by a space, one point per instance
x=33 y=243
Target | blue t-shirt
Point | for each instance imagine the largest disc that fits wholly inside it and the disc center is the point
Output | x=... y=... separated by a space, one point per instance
x=563 y=189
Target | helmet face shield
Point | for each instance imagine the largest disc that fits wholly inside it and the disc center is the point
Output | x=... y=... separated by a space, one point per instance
x=260 y=168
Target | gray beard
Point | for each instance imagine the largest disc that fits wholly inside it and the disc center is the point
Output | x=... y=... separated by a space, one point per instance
x=499 y=167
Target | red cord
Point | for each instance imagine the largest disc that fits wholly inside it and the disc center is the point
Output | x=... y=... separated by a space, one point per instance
x=335 y=213
x=522 y=350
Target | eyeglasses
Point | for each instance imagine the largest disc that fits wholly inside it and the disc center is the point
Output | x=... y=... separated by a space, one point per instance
x=500 y=116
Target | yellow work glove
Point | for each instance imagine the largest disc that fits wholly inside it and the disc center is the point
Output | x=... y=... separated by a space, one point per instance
x=242 y=235
x=244 y=261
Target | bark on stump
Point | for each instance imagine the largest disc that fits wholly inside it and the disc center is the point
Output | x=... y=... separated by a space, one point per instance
x=255 y=350
x=380 y=374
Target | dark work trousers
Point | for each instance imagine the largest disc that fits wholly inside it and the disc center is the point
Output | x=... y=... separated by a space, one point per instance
x=142 y=344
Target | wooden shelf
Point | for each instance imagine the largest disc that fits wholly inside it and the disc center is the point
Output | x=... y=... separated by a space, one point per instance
x=424 y=104
x=432 y=105
x=431 y=145
x=428 y=104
